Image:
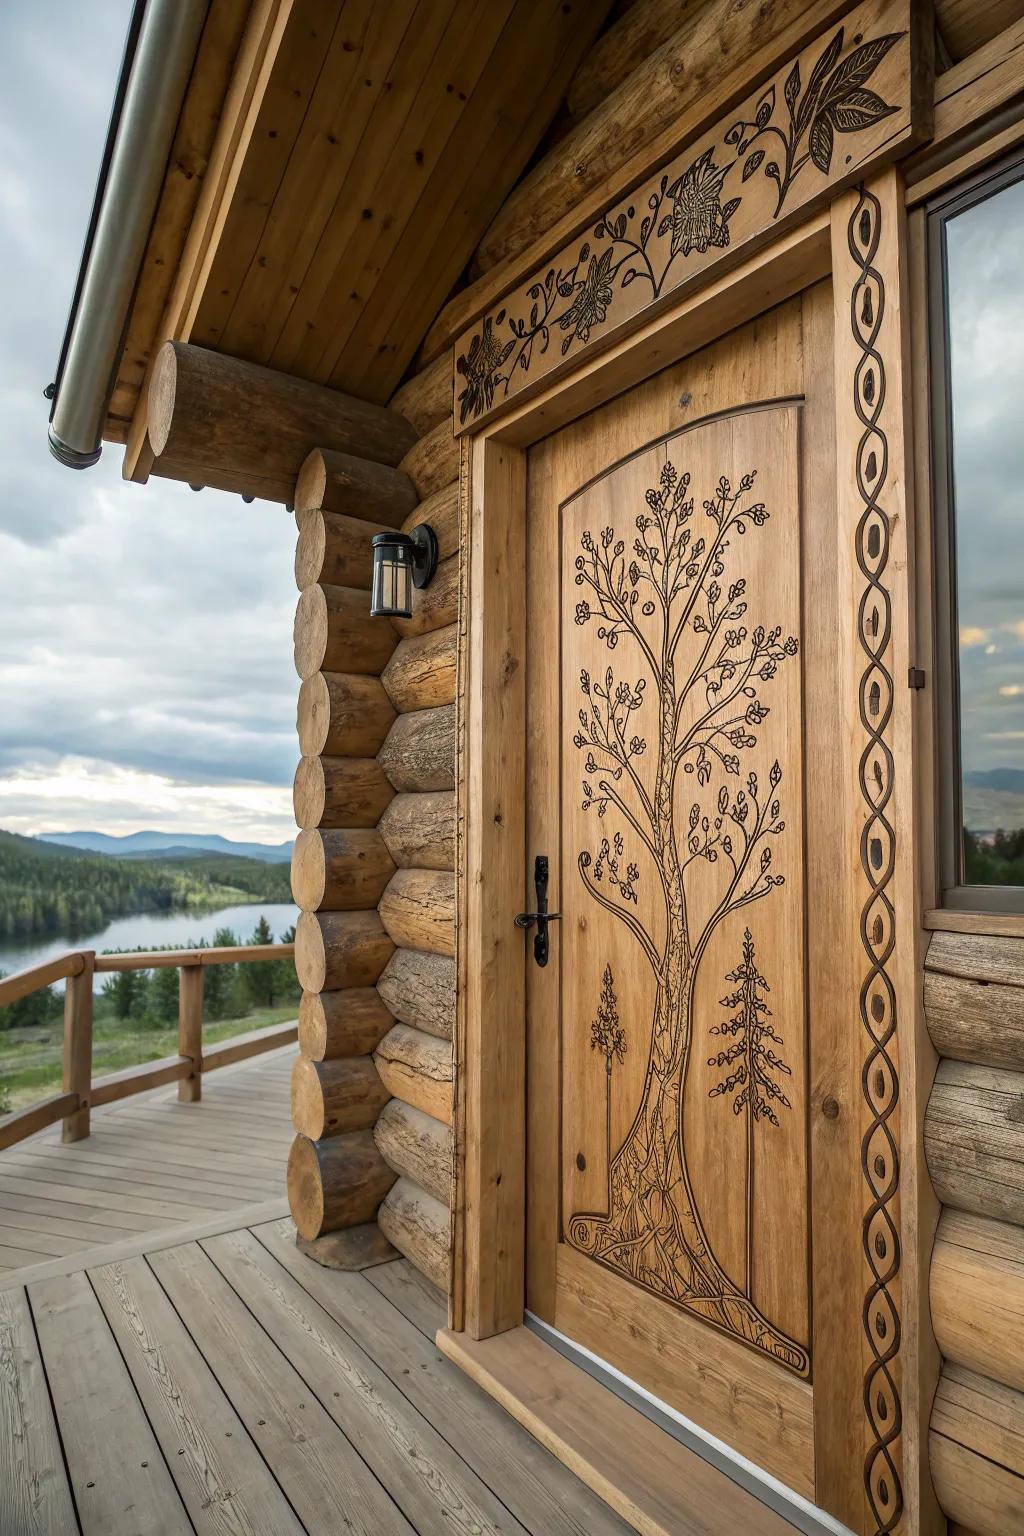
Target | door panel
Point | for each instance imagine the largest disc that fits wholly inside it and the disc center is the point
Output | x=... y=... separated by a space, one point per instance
x=670 y=1053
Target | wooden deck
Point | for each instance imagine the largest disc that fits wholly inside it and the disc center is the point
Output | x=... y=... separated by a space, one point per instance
x=229 y=1384
x=150 y=1164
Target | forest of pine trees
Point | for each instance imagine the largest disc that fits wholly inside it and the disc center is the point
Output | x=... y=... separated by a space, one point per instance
x=48 y=891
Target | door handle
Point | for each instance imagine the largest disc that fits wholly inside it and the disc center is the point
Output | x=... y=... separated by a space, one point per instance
x=542 y=917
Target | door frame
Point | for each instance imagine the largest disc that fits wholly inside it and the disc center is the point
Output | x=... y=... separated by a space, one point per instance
x=860 y=242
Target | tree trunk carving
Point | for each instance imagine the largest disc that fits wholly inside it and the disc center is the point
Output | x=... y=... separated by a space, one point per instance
x=669 y=595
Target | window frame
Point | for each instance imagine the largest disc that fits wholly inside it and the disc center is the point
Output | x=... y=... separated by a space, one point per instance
x=955 y=891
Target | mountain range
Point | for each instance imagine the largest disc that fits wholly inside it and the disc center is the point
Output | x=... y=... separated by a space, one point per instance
x=167 y=845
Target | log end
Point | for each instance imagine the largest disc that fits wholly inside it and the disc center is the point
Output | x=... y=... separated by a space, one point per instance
x=163 y=385
x=309 y=871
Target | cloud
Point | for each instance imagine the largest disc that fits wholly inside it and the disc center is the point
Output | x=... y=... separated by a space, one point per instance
x=145 y=632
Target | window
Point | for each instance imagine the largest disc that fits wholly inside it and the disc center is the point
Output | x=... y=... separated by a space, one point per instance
x=976 y=272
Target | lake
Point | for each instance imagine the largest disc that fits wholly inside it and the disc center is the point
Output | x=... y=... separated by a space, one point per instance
x=152 y=930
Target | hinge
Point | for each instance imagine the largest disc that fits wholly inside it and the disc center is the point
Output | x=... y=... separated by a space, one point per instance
x=915 y=677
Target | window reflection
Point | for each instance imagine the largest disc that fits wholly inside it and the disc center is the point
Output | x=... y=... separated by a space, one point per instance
x=985 y=317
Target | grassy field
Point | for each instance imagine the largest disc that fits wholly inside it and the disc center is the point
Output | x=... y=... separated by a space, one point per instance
x=31 y=1058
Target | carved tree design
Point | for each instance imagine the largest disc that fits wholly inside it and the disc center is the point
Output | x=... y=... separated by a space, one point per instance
x=708 y=710
x=608 y=1036
x=750 y=1063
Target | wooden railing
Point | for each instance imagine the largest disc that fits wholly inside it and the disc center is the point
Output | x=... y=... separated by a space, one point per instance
x=79 y=1094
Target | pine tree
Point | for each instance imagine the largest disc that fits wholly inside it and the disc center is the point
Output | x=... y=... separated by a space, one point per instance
x=261 y=979
x=608 y=1036
x=751 y=1063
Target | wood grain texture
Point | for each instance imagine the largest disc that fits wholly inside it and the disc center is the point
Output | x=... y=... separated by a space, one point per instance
x=425 y=399
x=416 y=1145
x=441 y=511
x=349 y=1022
x=335 y=1183
x=977 y=1021
x=421 y=671
x=977 y=957
x=433 y=460
x=334 y=549
x=333 y=632
x=419 y=750
x=353 y=486
x=417 y=1224
x=418 y=910
x=340 y=869
x=354 y=1248
x=342 y=715
x=419 y=989
x=419 y=830
x=340 y=792
x=417 y=1068
x=34 y=1495
x=973 y=1140
x=340 y=949
x=331 y=1097
x=977 y=1295
x=437 y=605
x=977 y=1451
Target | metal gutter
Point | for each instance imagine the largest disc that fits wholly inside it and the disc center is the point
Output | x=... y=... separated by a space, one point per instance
x=160 y=49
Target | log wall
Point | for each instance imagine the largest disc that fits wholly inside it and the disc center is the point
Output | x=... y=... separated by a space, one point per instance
x=974 y=1143
x=374 y=859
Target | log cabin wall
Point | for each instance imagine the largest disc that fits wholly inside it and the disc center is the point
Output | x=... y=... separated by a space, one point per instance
x=974 y=1144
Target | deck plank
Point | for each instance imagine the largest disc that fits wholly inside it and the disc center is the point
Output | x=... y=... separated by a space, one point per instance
x=416 y=1297
x=439 y=1494
x=119 y=1478
x=220 y=1475
x=328 y=1484
x=537 y=1489
x=34 y=1492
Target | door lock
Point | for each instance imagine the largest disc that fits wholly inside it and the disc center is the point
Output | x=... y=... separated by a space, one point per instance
x=542 y=916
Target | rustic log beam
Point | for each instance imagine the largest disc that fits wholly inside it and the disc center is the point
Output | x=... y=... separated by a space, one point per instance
x=421 y=672
x=335 y=1183
x=331 y=1097
x=418 y=910
x=334 y=633
x=419 y=830
x=977 y=957
x=340 y=949
x=433 y=461
x=693 y=74
x=352 y=1248
x=425 y=400
x=441 y=511
x=419 y=753
x=350 y=1022
x=417 y=1224
x=340 y=870
x=416 y=1145
x=214 y=413
x=973 y=1139
x=976 y=1289
x=417 y=1068
x=620 y=49
x=358 y=488
x=333 y=550
x=245 y=481
x=434 y=606
x=343 y=715
x=976 y=1021
x=340 y=792
x=976 y=1451
x=419 y=989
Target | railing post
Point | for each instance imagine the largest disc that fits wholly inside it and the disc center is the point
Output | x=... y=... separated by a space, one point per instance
x=190 y=1031
x=78 y=1048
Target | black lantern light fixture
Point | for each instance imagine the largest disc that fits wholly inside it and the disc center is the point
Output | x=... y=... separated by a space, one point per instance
x=401 y=561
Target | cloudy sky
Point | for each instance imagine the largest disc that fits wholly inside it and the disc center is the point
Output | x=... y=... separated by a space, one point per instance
x=145 y=632
x=986 y=303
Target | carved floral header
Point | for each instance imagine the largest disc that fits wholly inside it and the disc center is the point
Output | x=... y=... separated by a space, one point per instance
x=845 y=103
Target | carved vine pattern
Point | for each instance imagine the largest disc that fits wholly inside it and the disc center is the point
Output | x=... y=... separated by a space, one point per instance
x=570 y=302
x=879 y=1077
x=669 y=588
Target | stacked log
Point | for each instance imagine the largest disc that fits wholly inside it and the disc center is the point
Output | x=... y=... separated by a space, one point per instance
x=417 y=910
x=341 y=863
x=974 y=1143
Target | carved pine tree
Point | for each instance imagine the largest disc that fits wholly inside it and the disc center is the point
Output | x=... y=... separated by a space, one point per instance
x=705 y=669
x=750 y=1063
x=608 y=1036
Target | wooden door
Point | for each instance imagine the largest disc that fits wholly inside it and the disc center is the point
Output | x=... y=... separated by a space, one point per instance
x=683 y=1218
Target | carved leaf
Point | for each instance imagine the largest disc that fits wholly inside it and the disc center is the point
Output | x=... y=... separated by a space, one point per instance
x=753 y=161
x=859 y=110
x=817 y=80
x=857 y=68
x=820 y=143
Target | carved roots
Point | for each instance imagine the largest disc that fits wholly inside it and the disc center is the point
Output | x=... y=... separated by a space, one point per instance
x=653 y=1235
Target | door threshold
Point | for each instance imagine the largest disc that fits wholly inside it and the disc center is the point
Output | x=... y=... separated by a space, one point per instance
x=649 y=1477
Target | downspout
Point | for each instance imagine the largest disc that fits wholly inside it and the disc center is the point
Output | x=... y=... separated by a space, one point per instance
x=163 y=37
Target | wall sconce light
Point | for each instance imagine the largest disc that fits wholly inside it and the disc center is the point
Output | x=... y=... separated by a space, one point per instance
x=401 y=561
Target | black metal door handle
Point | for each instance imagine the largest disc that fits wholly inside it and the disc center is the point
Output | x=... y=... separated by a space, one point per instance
x=542 y=917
